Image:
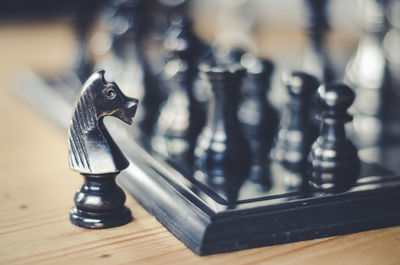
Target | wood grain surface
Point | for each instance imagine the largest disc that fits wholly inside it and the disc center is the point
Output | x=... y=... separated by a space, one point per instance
x=37 y=188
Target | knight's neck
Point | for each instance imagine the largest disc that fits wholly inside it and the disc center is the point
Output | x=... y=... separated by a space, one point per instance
x=102 y=130
x=96 y=131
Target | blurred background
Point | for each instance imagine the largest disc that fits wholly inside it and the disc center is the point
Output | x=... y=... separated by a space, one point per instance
x=273 y=29
x=48 y=30
x=338 y=40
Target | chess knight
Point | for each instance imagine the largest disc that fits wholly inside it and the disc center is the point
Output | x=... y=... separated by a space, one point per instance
x=94 y=154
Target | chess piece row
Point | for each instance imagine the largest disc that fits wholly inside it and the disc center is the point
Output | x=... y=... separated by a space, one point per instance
x=227 y=144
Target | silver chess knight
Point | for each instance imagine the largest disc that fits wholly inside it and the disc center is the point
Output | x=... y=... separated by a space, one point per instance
x=94 y=154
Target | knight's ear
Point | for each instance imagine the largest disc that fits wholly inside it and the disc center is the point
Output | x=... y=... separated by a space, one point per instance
x=95 y=78
x=100 y=73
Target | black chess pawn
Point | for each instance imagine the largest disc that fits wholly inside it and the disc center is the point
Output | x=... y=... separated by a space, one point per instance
x=258 y=118
x=222 y=150
x=181 y=117
x=315 y=60
x=94 y=154
x=333 y=160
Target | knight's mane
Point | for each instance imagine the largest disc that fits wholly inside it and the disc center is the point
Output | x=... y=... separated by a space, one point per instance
x=83 y=120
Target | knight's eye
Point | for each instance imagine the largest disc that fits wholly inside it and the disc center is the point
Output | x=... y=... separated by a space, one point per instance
x=109 y=93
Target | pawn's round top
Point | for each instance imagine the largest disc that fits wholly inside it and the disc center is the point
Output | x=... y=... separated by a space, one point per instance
x=299 y=83
x=336 y=96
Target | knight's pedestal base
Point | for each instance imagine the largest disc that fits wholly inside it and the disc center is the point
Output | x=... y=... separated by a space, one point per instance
x=100 y=220
x=100 y=203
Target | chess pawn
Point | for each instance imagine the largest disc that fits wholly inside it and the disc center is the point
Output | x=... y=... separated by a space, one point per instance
x=222 y=150
x=258 y=118
x=315 y=59
x=333 y=160
x=181 y=118
x=296 y=131
x=99 y=203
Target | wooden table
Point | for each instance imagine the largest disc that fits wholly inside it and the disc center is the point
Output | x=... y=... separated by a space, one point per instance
x=37 y=188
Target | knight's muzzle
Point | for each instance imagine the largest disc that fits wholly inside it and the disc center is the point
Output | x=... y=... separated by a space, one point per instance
x=130 y=108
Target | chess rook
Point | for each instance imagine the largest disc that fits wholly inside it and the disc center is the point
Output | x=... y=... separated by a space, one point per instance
x=333 y=160
x=222 y=150
x=94 y=154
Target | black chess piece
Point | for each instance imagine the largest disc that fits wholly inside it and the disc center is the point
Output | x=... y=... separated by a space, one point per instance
x=181 y=117
x=222 y=150
x=296 y=131
x=94 y=154
x=333 y=160
x=315 y=60
x=258 y=118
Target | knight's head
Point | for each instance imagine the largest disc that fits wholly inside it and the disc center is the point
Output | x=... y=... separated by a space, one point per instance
x=109 y=99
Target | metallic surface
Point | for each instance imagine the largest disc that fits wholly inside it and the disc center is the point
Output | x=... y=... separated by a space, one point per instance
x=94 y=154
x=333 y=159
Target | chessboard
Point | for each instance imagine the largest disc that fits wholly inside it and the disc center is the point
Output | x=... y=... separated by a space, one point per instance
x=259 y=183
